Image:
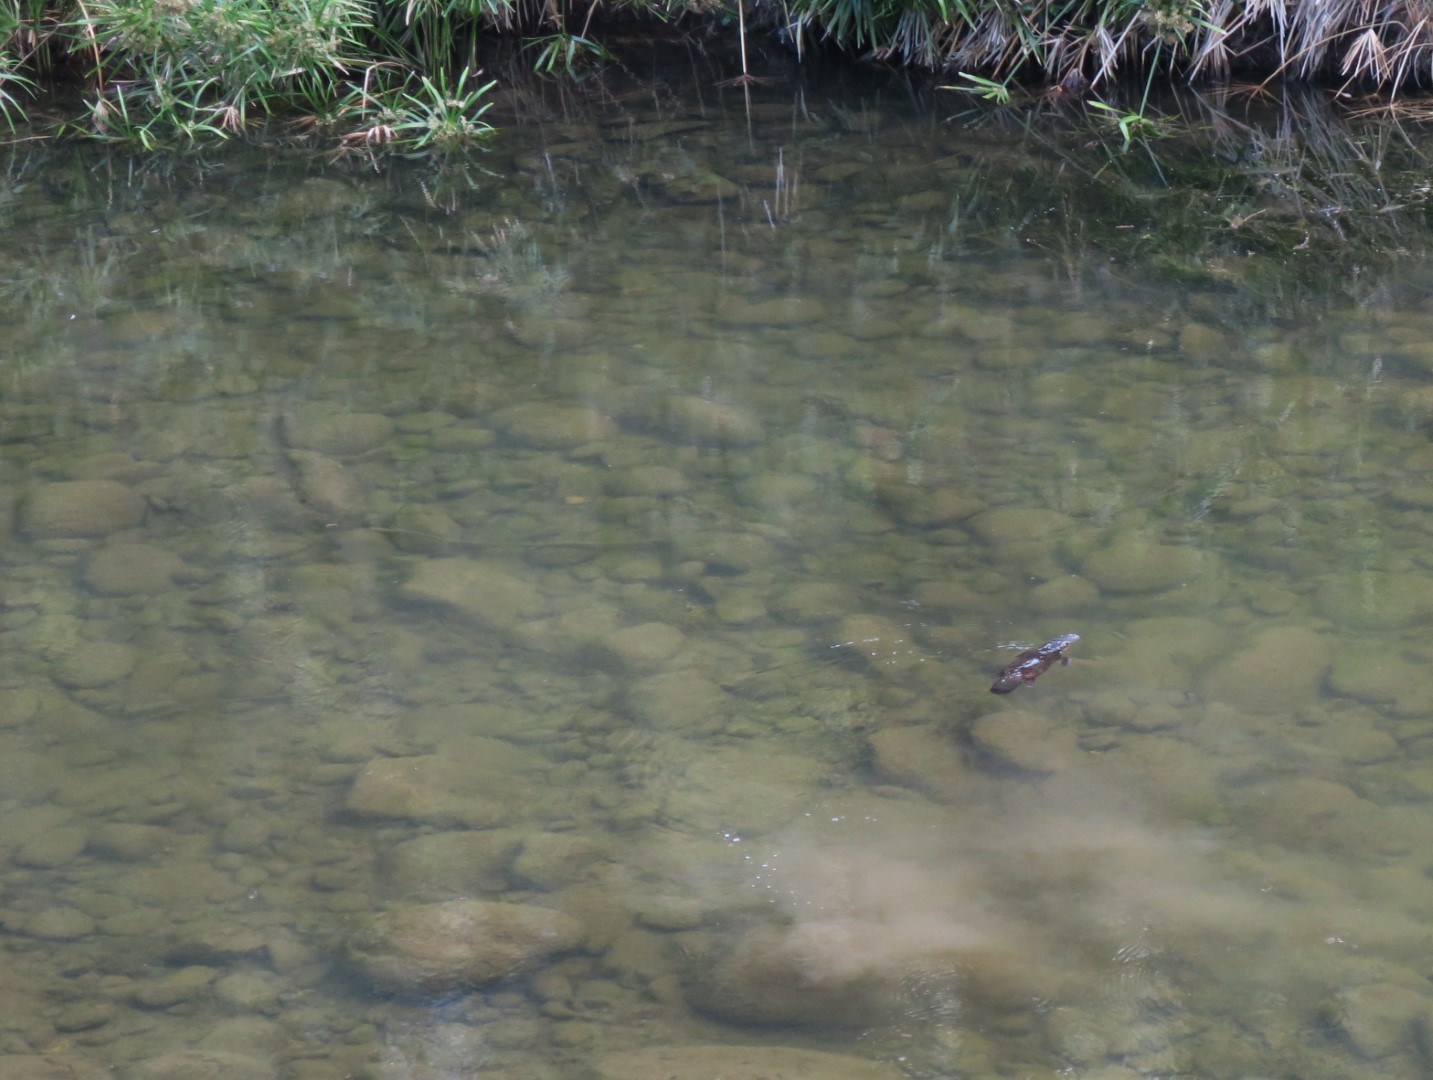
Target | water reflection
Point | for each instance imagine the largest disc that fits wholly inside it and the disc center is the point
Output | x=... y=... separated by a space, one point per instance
x=547 y=626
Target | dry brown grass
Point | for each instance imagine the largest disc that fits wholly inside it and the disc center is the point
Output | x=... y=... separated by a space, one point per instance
x=1353 y=43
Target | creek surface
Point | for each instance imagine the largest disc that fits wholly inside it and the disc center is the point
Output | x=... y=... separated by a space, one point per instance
x=536 y=620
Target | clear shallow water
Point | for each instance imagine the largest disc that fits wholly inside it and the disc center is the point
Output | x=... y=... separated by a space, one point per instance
x=631 y=532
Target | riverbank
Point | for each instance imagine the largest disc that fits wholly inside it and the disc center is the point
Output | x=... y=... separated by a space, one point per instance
x=407 y=77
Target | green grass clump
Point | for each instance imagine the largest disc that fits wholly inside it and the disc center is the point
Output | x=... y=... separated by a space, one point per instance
x=159 y=73
x=162 y=69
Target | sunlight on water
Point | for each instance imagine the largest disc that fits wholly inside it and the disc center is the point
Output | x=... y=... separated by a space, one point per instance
x=540 y=622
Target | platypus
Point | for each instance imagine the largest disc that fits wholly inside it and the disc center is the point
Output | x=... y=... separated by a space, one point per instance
x=1032 y=663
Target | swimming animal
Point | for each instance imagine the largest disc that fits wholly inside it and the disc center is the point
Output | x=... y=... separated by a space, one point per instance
x=1032 y=663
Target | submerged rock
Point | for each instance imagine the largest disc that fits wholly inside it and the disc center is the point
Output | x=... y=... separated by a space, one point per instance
x=779 y=311
x=703 y=186
x=1295 y=811
x=446 y=865
x=77 y=509
x=858 y=965
x=81 y=1016
x=1279 y=668
x=553 y=427
x=811 y=601
x=53 y=848
x=128 y=841
x=1379 y=671
x=423 y=529
x=271 y=501
x=437 y=948
x=778 y=491
x=1011 y=524
x=763 y=980
x=1064 y=595
x=240 y=1034
x=943 y=506
x=1380 y=1019
x=219 y=944
x=646 y=647
x=738 y=551
x=91 y=664
x=679 y=701
x=127 y=569
x=880 y=643
x=338 y=434
x=203 y=1065
x=482 y=589
x=476 y=783
x=747 y=789
x=58 y=924
x=174 y=988
x=919 y=758
x=1165 y=652
x=652 y=480
x=1025 y=740
x=51 y=1067
x=326 y=485
x=1132 y=564
x=550 y=861
x=713 y=422
x=1375 y=599
x=738 y=1063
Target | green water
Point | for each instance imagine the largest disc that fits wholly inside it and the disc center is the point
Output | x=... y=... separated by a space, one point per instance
x=626 y=531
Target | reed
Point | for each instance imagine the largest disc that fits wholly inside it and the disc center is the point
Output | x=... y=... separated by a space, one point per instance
x=1075 y=43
